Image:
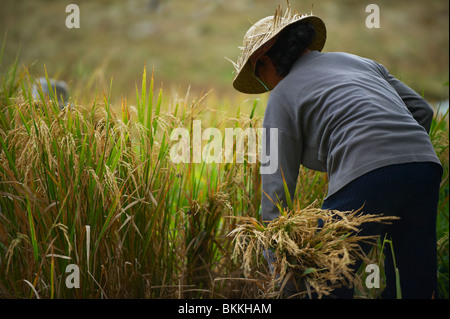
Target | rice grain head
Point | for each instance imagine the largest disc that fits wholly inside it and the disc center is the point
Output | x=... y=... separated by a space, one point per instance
x=320 y=257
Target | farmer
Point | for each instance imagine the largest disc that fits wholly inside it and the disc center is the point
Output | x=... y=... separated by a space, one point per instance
x=347 y=116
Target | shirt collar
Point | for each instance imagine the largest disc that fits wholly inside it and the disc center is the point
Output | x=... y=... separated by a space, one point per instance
x=305 y=59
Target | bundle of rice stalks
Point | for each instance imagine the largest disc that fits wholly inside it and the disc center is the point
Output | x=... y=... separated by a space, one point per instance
x=312 y=256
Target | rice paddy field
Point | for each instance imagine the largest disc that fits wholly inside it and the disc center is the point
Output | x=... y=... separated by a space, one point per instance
x=93 y=186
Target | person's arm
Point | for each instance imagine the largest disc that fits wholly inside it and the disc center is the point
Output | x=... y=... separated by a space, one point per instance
x=419 y=108
x=283 y=156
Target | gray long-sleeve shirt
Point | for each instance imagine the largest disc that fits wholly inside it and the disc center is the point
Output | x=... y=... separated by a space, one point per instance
x=344 y=115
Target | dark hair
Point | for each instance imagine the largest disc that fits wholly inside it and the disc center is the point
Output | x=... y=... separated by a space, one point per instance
x=290 y=45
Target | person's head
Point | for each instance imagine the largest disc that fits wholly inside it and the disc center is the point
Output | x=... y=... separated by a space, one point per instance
x=291 y=44
x=304 y=32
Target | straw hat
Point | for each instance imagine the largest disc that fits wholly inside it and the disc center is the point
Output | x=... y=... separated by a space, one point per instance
x=260 y=38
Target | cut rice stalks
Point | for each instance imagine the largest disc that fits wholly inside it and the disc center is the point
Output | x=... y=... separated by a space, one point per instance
x=308 y=256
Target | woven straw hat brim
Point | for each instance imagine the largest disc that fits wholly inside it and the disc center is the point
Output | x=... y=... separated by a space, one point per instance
x=245 y=80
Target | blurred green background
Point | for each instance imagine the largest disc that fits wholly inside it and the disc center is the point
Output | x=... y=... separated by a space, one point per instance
x=187 y=41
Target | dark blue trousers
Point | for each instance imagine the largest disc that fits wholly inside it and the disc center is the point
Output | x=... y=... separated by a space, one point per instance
x=411 y=192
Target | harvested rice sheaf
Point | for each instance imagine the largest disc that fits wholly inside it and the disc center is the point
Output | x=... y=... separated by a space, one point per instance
x=313 y=257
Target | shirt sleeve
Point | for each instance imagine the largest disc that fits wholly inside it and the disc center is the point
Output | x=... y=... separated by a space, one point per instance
x=283 y=156
x=419 y=108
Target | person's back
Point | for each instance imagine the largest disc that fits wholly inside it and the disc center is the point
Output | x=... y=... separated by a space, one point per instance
x=349 y=115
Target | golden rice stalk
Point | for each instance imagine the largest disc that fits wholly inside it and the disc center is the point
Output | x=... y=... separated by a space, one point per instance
x=317 y=257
